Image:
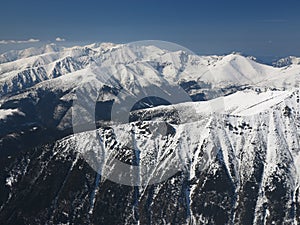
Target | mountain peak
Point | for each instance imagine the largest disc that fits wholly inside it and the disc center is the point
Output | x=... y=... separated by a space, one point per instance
x=287 y=61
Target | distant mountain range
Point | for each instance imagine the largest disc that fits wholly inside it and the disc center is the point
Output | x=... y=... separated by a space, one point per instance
x=235 y=133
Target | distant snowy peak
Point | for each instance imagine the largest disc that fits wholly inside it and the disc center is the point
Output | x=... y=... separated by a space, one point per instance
x=25 y=53
x=23 y=69
x=50 y=49
x=287 y=61
x=235 y=69
x=103 y=46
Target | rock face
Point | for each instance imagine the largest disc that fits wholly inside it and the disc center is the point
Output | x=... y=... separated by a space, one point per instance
x=237 y=163
x=287 y=61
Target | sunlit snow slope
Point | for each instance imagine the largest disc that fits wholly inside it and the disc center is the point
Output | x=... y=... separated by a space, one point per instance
x=233 y=139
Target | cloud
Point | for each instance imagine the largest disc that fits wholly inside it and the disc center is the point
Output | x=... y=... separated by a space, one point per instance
x=60 y=39
x=31 y=40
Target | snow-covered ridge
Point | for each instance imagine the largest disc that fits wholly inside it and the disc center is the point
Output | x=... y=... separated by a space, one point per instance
x=255 y=143
x=287 y=61
x=240 y=104
x=251 y=134
x=22 y=69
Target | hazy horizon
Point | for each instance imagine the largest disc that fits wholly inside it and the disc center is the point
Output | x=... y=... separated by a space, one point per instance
x=253 y=27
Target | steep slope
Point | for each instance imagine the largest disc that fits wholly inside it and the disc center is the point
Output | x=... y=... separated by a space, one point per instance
x=233 y=168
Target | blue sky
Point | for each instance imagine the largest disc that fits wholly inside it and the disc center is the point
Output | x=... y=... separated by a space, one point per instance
x=260 y=28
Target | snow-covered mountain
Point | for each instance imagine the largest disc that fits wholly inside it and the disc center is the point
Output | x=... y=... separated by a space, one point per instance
x=32 y=66
x=287 y=61
x=234 y=148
